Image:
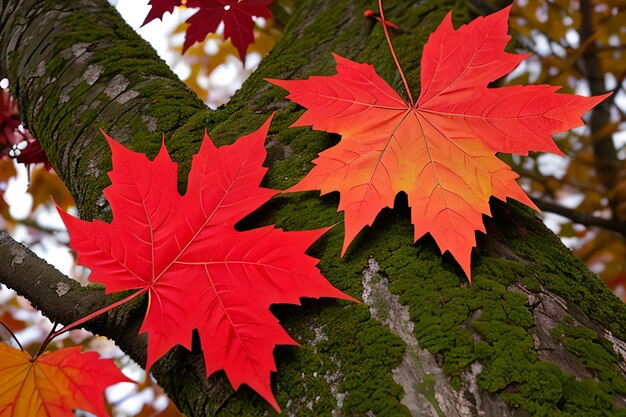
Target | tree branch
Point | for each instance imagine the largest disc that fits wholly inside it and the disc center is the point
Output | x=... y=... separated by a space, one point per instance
x=31 y=276
x=586 y=219
x=52 y=292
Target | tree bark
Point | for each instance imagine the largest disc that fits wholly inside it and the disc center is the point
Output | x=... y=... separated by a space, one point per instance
x=535 y=334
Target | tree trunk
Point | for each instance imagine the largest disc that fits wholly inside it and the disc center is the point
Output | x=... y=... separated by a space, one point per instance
x=535 y=334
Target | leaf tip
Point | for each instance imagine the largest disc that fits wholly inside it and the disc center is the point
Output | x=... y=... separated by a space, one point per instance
x=279 y=83
x=348 y=297
x=206 y=137
x=187 y=44
x=108 y=138
x=344 y=248
x=466 y=265
x=268 y=122
x=65 y=216
x=600 y=98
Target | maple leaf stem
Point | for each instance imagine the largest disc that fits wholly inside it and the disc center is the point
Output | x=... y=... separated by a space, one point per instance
x=12 y=335
x=393 y=52
x=54 y=333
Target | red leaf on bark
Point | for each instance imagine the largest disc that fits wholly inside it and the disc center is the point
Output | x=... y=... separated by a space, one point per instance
x=201 y=273
x=441 y=150
x=55 y=384
x=236 y=16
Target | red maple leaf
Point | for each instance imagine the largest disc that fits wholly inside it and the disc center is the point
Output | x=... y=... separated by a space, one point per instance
x=9 y=121
x=54 y=384
x=33 y=153
x=159 y=8
x=236 y=16
x=440 y=150
x=201 y=273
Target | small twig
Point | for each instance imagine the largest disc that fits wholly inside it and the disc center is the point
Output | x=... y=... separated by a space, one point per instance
x=370 y=14
x=393 y=53
x=609 y=48
x=543 y=180
x=12 y=335
x=54 y=333
x=35 y=225
x=586 y=219
x=45 y=343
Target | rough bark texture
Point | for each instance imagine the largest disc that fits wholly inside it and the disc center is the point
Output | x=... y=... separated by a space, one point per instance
x=536 y=334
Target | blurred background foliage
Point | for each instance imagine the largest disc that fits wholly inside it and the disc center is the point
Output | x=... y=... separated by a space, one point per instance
x=577 y=44
x=581 y=45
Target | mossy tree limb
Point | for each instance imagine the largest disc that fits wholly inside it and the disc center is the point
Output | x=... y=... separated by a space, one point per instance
x=536 y=334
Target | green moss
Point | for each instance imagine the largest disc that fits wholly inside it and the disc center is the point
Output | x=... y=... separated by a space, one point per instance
x=596 y=354
x=483 y=323
x=312 y=376
x=55 y=64
x=14 y=63
x=581 y=288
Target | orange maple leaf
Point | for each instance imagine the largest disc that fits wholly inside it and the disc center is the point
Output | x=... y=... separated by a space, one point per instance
x=55 y=383
x=440 y=150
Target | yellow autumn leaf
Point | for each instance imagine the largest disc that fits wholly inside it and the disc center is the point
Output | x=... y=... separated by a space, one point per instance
x=55 y=384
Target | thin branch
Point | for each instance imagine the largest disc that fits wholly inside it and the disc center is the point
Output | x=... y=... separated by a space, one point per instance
x=544 y=179
x=54 y=333
x=47 y=340
x=393 y=53
x=12 y=335
x=35 y=225
x=586 y=219
x=52 y=292
x=615 y=48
